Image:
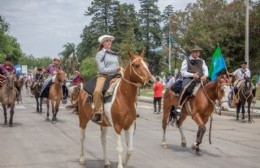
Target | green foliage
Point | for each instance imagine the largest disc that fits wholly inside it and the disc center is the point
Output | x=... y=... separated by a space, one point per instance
x=88 y=68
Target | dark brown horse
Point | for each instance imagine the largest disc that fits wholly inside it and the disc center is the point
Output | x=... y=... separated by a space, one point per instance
x=120 y=112
x=55 y=95
x=245 y=95
x=36 y=91
x=199 y=107
x=8 y=94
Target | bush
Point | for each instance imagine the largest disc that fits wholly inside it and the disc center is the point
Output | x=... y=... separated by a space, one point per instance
x=88 y=68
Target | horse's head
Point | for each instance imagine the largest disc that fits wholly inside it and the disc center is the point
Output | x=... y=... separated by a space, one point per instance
x=247 y=86
x=60 y=76
x=139 y=71
x=220 y=90
x=10 y=78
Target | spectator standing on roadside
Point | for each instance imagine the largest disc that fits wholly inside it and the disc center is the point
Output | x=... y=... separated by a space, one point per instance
x=158 y=89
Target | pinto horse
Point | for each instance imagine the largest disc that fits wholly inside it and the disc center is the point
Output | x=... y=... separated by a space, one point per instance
x=200 y=107
x=55 y=95
x=245 y=96
x=8 y=94
x=121 y=111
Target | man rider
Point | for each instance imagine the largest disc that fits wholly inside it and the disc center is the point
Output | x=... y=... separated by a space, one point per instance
x=193 y=70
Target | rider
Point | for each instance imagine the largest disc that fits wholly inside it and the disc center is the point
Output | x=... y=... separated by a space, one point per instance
x=51 y=71
x=108 y=64
x=241 y=74
x=77 y=79
x=37 y=77
x=8 y=66
x=193 y=70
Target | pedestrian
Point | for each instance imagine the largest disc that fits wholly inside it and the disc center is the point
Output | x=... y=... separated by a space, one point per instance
x=158 y=93
x=108 y=64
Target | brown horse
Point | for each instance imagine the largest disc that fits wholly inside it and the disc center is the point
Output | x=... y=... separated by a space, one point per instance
x=55 y=95
x=8 y=94
x=199 y=107
x=37 y=91
x=74 y=92
x=121 y=111
x=245 y=95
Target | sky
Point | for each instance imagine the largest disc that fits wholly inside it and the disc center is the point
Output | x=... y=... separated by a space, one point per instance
x=42 y=27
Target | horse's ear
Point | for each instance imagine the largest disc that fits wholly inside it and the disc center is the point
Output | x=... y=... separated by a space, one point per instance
x=130 y=54
x=142 y=54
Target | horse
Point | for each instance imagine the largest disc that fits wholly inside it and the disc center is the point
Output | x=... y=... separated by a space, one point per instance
x=244 y=95
x=27 y=84
x=120 y=112
x=37 y=91
x=74 y=92
x=8 y=94
x=199 y=107
x=55 y=95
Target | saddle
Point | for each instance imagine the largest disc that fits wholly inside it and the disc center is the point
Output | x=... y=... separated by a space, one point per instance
x=108 y=88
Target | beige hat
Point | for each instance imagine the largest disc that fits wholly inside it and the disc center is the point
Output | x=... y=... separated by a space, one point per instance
x=196 y=48
x=103 y=38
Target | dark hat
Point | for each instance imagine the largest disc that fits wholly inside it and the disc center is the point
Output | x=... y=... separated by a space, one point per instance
x=244 y=62
x=8 y=58
x=39 y=69
x=196 y=48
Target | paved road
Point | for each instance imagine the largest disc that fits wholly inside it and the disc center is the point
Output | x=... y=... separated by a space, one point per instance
x=34 y=143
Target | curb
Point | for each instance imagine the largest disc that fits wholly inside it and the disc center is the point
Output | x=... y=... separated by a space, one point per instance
x=226 y=113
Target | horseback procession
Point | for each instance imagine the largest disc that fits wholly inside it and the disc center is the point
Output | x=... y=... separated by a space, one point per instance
x=110 y=98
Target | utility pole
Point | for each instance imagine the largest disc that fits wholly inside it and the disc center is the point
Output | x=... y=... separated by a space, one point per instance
x=170 y=46
x=247 y=34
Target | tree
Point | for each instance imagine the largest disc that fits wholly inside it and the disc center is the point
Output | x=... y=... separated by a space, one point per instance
x=150 y=19
x=88 y=68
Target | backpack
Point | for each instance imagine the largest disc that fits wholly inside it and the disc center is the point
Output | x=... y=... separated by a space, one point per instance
x=177 y=86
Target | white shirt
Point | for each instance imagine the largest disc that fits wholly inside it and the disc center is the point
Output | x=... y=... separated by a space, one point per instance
x=184 y=68
x=170 y=82
x=241 y=74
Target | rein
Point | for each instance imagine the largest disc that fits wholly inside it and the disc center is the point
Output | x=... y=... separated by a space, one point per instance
x=132 y=69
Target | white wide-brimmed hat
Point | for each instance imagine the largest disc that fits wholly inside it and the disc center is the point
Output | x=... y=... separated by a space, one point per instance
x=103 y=38
x=56 y=58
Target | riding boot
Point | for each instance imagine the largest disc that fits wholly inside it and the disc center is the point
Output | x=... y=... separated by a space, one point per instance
x=178 y=109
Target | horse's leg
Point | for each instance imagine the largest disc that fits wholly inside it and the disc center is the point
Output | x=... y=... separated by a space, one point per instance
x=48 y=108
x=11 y=115
x=53 y=109
x=40 y=104
x=37 y=104
x=238 y=109
x=200 y=133
x=119 y=149
x=103 y=138
x=243 y=111
x=5 y=114
x=82 y=159
x=180 y=121
x=57 y=105
x=248 y=110
x=166 y=113
x=129 y=136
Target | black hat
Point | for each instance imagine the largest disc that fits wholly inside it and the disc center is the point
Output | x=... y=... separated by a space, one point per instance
x=8 y=58
x=244 y=62
x=39 y=69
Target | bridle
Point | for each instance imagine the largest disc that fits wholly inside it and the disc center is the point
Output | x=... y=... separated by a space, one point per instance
x=144 y=81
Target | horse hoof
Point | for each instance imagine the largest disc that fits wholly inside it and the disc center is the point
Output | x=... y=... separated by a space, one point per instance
x=11 y=125
x=198 y=152
x=183 y=145
x=194 y=146
x=82 y=161
x=47 y=119
x=107 y=166
x=165 y=146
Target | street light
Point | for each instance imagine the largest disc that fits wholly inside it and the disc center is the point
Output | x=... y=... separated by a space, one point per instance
x=247 y=34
